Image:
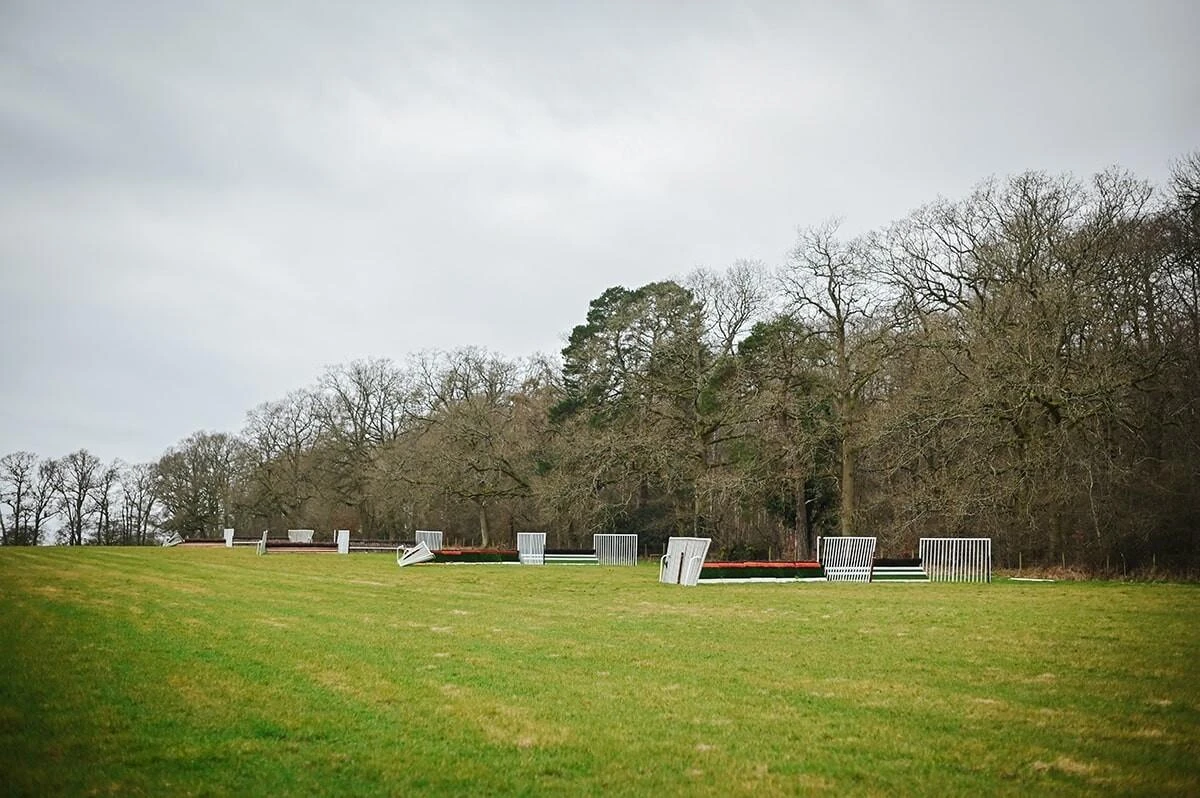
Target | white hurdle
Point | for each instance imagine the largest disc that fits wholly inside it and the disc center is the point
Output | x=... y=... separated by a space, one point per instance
x=430 y=537
x=300 y=535
x=846 y=559
x=531 y=548
x=228 y=538
x=417 y=554
x=957 y=559
x=615 y=549
x=682 y=563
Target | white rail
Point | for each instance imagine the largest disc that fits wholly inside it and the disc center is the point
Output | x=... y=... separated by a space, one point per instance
x=846 y=559
x=417 y=554
x=615 y=549
x=682 y=563
x=430 y=537
x=957 y=559
x=531 y=548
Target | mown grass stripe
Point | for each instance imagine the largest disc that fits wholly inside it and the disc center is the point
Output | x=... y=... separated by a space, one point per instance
x=171 y=671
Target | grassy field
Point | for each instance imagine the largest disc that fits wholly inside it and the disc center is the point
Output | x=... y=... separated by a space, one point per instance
x=215 y=672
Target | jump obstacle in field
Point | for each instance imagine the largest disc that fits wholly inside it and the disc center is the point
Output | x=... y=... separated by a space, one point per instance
x=296 y=540
x=683 y=561
x=228 y=540
x=957 y=559
x=531 y=548
x=417 y=554
x=846 y=559
x=852 y=559
x=607 y=549
x=756 y=571
x=301 y=541
x=839 y=559
x=431 y=539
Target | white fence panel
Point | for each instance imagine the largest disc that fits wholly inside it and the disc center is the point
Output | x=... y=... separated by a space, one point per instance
x=682 y=563
x=228 y=538
x=531 y=548
x=430 y=537
x=615 y=549
x=957 y=559
x=846 y=559
x=417 y=554
x=300 y=535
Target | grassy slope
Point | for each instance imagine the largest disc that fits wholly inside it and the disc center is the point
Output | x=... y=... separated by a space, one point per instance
x=169 y=671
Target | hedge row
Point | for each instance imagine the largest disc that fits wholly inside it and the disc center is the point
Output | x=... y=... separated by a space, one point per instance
x=751 y=570
x=475 y=555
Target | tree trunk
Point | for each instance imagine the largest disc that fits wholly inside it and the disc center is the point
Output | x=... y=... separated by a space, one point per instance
x=803 y=549
x=845 y=407
x=847 y=489
x=847 y=466
x=483 y=526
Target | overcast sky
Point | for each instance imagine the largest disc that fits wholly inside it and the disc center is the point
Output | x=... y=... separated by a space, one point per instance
x=203 y=204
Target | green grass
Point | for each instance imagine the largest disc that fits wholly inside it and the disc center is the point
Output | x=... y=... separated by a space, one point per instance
x=217 y=672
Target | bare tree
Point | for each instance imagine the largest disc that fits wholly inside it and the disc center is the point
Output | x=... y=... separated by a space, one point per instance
x=198 y=480
x=732 y=302
x=139 y=497
x=78 y=474
x=27 y=490
x=793 y=442
x=281 y=437
x=468 y=448
x=833 y=290
x=108 y=523
x=1026 y=399
x=17 y=471
x=361 y=406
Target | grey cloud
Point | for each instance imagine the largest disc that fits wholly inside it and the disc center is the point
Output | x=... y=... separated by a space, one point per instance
x=201 y=205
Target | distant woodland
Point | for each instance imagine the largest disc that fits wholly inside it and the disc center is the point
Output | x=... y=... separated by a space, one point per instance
x=1022 y=363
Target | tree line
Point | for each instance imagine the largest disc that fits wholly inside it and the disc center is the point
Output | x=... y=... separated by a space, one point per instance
x=1022 y=363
